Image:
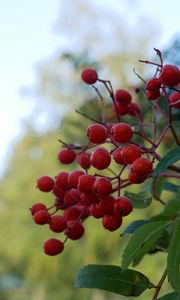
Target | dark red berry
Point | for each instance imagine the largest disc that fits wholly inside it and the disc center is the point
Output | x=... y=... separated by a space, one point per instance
x=53 y=247
x=118 y=156
x=100 y=158
x=97 y=133
x=66 y=156
x=75 y=230
x=153 y=84
x=58 y=192
x=106 y=204
x=58 y=223
x=142 y=166
x=72 y=213
x=88 y=199
x=72 y=196
x=42 y=217
x=85 y=183
x=62 y=181
x=73 y=178
x=173 y=98
x=170 y=75
x=123 y=206
x=112 y=221
x=45 y=183
x=83 y=159
x=120 y=108
x=123 y=96
x=136 y=178
x=96 y=212
x=121 y=133
x=153 y=95
x=133 y=109
x=89 y=76
x=102 y=186
x=130 y=153
x=36 y=207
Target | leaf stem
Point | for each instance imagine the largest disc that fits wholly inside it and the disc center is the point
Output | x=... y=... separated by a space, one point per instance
x=159 y=285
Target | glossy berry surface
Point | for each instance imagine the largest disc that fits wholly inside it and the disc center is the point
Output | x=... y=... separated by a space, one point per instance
x=100 y=158
x=45 y=184
x=153 y=84
x=130 y=153
x=170 y=75
x=58 y=223
x=174 y=99
x=96 y=133
x=74 y=230
x=85 y=183
x=123 y=206
x=83 y=159
x=102 y=186
x=89 y=76
x=123 y=96
x=53 y=247
x=112 y=222
x=42 y=217
x=66 y=156
x=73 y=177
x=142 y=166
x=121 y=133
x=38 y=206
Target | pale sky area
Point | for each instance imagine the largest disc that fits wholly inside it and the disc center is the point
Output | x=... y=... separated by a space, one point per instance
x=27 y=36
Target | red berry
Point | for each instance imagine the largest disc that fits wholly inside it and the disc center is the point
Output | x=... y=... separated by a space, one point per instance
x=97 y=133
x=100 y=158
x=66 y=156
x=53 y=247
x=112 y=221
x=153 y=95
x=37 y=206
x=175 y=97
x=123 y=96
x=62 y=181
x=133 y=109
x=58 y=192
x=88 y=199
x=118 y=156
x=153 y=84
x=72 y=213
x=106 y=204
x=130 y=153
x=89 y=76
x=96 y=212
x=45 y=183
x=72 y=196
x=136 y=178
x=83 y=159
x=142 y=166
x=75 y=230
x=42 y=217
x=73 y=178
x=120 y=108
x=123 y=206
x=85 y=183
x=170 y=75
x=121 y=133
x=58 y=223
x=102 y=186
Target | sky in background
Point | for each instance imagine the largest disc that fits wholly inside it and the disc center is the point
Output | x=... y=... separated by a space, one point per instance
x=27 y=37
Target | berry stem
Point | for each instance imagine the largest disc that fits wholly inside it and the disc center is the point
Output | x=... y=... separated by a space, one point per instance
x=169 y=175
x=88 y=117
x=101 y=104
x=159 y=285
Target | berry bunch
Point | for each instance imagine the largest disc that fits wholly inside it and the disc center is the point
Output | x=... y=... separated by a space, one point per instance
x=87 y=191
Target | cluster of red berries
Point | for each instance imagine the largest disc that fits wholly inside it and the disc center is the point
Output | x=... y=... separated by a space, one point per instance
x=84 y=192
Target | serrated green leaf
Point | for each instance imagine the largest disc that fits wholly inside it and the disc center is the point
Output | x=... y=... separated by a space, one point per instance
x=171 y=187
x=142 y=241
x=134 y=225
x=140 y=200
x=112 y=279
x=170 y=296
x=171 y=157
x=174 y=258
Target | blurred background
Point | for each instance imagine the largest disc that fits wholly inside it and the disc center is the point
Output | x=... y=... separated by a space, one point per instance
x=44 y=47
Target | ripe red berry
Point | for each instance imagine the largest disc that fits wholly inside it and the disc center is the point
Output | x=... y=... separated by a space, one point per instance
x=123 y=206
x=153 y=95
x=72 y=196
x=97 y=133
x=58 y=192
x=96 y=211
x=42 y=217
x=45 y=183
x=136 y=178
x=121 y=133
x=36 y=207
x=106 y=204
x=123 y=96
x=102 y=186
x=118 y=156
x=53 y=247
x=62 y=181
x=83 y=159
x=170 y=75
x=85 y=183
x=73 y=178
x=175 y=97
x=75 y=230
x=100 y=158
x=120 y=108
x=66 y=156
x=142 y=166
x=71 y=213
x=88 y=199
x=130 y=153
x=58 y=223
x=133 y=109
x=112 y=221
x=89 y=76
x=153 y=84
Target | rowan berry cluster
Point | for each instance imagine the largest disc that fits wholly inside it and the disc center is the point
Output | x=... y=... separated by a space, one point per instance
x=88 y=191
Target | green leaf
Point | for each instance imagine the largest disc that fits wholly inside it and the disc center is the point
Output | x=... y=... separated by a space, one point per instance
x=171 y=157
x=174 y=258
x=172 y=208
x=112 y=279
x=134 y=225
x=142 y=241
x=170 y=296
x=159 y=185
x=140 y=200
x=171 y=187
